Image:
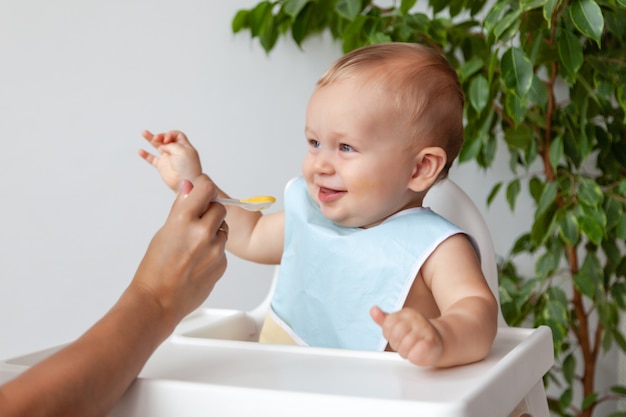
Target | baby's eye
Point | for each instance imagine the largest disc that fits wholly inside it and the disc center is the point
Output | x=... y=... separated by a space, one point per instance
x=314 y=143
x=345 y=148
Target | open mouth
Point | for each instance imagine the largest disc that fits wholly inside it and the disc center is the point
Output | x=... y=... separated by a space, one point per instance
x=327 y=195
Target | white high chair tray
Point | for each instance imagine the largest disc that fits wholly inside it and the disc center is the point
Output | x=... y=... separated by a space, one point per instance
x=191 y=376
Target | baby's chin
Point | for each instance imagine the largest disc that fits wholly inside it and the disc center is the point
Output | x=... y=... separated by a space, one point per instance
x=353 y=222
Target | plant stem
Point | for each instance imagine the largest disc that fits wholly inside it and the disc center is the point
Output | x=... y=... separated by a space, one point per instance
x=581 y=330
x=589 y=351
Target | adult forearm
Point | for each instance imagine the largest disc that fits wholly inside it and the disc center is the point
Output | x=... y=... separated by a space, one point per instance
x=92 y=373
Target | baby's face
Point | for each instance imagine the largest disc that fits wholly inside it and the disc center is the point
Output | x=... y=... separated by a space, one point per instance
x=359 y=161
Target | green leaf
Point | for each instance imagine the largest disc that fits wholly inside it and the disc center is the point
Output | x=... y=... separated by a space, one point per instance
x=517 y=71
x=608 y=315
x=479 y=93
x=493 y=193
x=546 y=264
x=589 y=400
x=544 y=224
x=556 y=306
x=621 y=97
x=494 y=66
x=406 y=6
x=619 y=338
x=512 y=191
x=565 y=400
x=301 y=26
x=455 y=7
x=475 y=6
x=548 y=11
x=469 y=68
x=620 y=231
x=488 y=153
x=614 y=212
x=535 y=186
x=556 y=152
x=240 y=21
x=528 y=5
x=622 y=188
x=494 y=16
x=269 y=33
x=379 y=37
x=613 y=255
x=538 y=92
x=569 y=230
x=294 y=7
x=587 y=17
x=519 y=137
x=437 y=5
x=569 y=368
x=259 y=17
x=348 y=9
x=548 y=196
x=515 y=108
x=471 y=148
x=585 y=285
x=570 y=52
x=592 y=224
x=589 y=277
x=607 y=338
x=589 y=193
x=619 y=389
x=618 y=293
x=510 y=21
x=522 y=244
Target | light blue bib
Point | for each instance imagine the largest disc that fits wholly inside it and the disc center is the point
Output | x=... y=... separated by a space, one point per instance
x=330 y=276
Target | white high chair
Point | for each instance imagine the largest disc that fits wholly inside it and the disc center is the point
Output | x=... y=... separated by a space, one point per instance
x=210 y=367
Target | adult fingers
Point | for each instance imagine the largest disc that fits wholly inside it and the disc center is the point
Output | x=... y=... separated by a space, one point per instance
x=185 y=188
x=195 y=197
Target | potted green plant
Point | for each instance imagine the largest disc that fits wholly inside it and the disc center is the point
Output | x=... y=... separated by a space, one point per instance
x=546 y=79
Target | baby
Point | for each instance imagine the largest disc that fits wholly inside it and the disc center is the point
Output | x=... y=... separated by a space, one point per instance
x=363 y=264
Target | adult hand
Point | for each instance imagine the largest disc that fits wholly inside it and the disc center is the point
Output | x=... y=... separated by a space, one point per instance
x=186 y=256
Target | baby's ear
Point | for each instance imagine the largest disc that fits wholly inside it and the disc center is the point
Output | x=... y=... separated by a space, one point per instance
x=428 y=165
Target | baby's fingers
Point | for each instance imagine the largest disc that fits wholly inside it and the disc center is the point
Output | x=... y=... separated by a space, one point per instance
x=176 y=136
x=151 y=159
x=155 y=140
x=378 y=315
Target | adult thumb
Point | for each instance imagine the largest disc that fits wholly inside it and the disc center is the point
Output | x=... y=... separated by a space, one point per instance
x=184 y=188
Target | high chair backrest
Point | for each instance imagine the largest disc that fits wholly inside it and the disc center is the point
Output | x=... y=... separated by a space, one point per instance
x=448 y=200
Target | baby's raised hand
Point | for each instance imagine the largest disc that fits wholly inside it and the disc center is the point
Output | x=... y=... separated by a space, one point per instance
x=411 y=335
x=178 y=160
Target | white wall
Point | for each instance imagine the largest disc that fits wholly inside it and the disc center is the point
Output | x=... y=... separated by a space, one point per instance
x=78 y=82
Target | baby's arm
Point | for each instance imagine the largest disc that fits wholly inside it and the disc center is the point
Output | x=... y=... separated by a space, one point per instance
x=465 y=330
x=254 y=236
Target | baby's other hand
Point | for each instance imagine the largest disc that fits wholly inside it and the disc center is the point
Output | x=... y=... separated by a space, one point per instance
x=178 y=159
x=411 y=335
